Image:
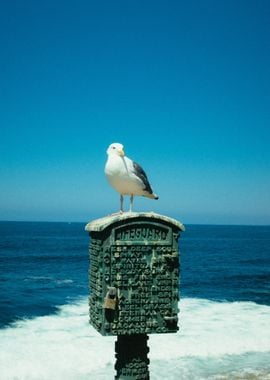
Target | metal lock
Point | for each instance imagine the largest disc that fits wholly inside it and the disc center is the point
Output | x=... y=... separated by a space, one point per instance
x=110 y=304
x=111 y=298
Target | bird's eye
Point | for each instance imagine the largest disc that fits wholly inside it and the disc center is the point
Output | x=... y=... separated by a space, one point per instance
x=113 y=147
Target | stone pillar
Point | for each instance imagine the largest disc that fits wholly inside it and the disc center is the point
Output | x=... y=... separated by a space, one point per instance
x=131 y=357
x=134 y=283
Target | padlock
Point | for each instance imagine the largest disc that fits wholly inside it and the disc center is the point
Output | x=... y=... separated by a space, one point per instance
x=110 y=300
x=109 y=303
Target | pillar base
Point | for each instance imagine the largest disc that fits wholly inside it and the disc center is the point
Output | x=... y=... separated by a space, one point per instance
x=131 y=357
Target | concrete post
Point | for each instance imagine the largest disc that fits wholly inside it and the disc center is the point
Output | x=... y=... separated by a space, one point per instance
x=134 y=284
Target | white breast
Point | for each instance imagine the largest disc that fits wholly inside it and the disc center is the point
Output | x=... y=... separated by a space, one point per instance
x=119 y=172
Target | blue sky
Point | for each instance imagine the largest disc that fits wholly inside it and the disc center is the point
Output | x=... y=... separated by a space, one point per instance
x=183 y=85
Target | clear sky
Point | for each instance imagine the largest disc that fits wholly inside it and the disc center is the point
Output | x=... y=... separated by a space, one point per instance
x=184 y=85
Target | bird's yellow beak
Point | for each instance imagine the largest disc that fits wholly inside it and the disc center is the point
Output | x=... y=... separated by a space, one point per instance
x=121 y=152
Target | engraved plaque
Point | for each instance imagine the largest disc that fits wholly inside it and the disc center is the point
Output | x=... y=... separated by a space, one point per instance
x=134 y=274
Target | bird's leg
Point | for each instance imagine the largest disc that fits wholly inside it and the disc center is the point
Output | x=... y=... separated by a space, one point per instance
x=131 y=203
x=121 y=204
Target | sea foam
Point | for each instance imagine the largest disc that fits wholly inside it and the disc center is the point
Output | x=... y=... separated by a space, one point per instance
x=217 y=340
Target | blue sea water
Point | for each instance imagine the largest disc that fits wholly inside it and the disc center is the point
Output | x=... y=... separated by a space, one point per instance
x=224 y=307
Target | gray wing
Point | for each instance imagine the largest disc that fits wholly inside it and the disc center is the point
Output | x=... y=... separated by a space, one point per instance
x=138 y=170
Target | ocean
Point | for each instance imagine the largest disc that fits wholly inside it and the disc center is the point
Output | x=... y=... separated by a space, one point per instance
x=224 y=306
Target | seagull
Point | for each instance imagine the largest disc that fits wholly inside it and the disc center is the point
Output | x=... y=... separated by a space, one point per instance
x=126 y=176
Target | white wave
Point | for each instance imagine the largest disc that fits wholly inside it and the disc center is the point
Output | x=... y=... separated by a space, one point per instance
x=215 y=341
x=214 y=329
x=65 y=281
x=38 y=278
x=48 y=279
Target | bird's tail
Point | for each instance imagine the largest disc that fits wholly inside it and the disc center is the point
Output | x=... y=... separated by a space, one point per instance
x=151 y=195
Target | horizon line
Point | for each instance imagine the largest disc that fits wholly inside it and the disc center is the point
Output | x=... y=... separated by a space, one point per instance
x=186 y=224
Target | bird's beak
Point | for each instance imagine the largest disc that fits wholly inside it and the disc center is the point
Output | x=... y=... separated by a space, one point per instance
x=121 y=152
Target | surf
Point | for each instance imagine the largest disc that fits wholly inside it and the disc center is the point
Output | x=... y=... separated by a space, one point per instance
x=217 y=340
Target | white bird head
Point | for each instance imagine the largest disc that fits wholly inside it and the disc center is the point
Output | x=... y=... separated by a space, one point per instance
x=116 y=149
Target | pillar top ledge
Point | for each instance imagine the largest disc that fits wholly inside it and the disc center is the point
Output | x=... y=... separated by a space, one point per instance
x=102 y=223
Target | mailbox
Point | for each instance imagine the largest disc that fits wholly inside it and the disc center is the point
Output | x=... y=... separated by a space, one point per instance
x=134 y=274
